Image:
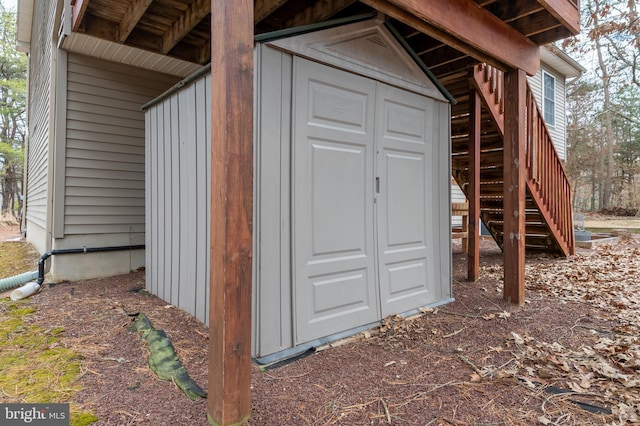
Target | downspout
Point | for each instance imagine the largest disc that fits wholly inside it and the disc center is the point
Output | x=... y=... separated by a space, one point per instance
x=32 y=287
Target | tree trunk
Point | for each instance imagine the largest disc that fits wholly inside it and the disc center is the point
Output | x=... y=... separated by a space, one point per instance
x=606 y=159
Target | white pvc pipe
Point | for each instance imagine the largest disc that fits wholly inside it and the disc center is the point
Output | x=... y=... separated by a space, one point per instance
x=25 y=291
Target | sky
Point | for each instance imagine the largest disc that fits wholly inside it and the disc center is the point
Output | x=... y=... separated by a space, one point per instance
x=10 y=4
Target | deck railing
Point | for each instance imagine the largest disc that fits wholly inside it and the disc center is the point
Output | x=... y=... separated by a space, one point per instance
x=546 y=177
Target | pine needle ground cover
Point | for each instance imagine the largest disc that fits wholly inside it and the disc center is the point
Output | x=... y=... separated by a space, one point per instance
x=569 y=356
x=35 y=367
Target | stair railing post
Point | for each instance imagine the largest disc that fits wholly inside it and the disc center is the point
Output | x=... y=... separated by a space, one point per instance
x=473 y=192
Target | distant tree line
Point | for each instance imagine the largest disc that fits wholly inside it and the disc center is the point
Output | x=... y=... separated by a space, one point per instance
x=13 y=74
x=603 y=106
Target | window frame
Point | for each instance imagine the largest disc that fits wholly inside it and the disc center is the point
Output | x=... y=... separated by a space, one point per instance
x=546 y=98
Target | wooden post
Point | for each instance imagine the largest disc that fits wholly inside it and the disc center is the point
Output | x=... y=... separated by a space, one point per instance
x=229 y=399
x=515 y=85
x=473 y=248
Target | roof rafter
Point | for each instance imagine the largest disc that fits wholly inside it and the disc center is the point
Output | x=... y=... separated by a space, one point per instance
x=467 y=27
x=78 y=11
x=136 y=9
x=264 y=8
x=319 y=11
x=189 y=19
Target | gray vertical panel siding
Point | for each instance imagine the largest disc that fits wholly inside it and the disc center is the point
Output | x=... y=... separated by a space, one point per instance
x=148 y=210
x=178 y=185
x=178 y=148
x=151 y=203
x=163 y=202
x=204 y=166
x=39 y=113
x=105 y=152
x=203 y=193
x=442 y=138
x=187 y=211
x=177 y=199
x=273 y=182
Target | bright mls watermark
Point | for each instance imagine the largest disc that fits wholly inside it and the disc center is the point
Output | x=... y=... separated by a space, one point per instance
x=34 y=414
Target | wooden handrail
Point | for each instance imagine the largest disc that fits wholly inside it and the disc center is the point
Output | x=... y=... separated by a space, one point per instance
x=546 y=176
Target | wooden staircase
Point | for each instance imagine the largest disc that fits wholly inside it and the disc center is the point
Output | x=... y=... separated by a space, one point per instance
x=549 y=222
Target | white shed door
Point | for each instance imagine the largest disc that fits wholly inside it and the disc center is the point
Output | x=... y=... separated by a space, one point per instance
x=356 y=143
x=404 y=195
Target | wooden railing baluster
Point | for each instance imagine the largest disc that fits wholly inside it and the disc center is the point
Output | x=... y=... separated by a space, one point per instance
x=546 y=177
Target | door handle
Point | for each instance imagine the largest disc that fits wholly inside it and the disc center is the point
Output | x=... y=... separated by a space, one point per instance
x=377 y=185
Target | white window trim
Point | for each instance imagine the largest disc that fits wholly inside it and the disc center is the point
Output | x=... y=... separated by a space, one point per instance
x=555 y=102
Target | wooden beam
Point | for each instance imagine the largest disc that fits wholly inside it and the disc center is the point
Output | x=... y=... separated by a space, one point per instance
x=515 y=89
x=136 y=9
x=467 y=27
x=205 y=52
x=264 y=8
x=566 y=12
x=318 y=12
x=473 y=191
x=77 y=15
x=189 y=19
x=229 y=396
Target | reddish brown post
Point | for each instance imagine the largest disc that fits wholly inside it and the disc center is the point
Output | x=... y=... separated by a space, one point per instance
x=229 y=399
x=473 y=248
x=515 y=89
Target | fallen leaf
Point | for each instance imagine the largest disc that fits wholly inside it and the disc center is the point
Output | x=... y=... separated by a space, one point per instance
x=475 y=378
x=543 y=420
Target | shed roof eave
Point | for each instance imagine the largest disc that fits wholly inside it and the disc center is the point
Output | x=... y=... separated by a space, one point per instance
x=24 y=23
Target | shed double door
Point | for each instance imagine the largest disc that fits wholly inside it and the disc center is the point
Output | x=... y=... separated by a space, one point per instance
x=362 y=191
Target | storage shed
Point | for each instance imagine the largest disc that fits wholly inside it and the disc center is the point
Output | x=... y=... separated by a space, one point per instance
x=352 y=188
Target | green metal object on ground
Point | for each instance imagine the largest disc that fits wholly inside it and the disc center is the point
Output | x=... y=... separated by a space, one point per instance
x=163 y=359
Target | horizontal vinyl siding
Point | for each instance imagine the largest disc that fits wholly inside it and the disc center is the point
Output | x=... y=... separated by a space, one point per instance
x=557 y=132
x=104 y=170
x=177 y=198
x=39 y=112
x=457 y=196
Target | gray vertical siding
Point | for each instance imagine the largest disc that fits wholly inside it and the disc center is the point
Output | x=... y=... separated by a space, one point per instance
x=40 y=69
x=177 y=195
x=273 y=296
x=105 y=157
x=558 y=131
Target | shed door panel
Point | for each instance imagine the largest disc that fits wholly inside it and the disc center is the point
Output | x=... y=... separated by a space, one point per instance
x=333 y=162
x=404 y=124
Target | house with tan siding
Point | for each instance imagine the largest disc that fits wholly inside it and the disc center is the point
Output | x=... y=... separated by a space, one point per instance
x=85 y=159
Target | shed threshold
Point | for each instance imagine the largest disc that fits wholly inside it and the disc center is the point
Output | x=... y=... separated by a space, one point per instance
x=291 y=354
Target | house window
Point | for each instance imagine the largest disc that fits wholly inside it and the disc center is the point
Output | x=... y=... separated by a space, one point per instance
x=549 y=96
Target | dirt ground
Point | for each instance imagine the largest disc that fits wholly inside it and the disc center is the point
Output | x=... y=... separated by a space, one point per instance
x=569 y=356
